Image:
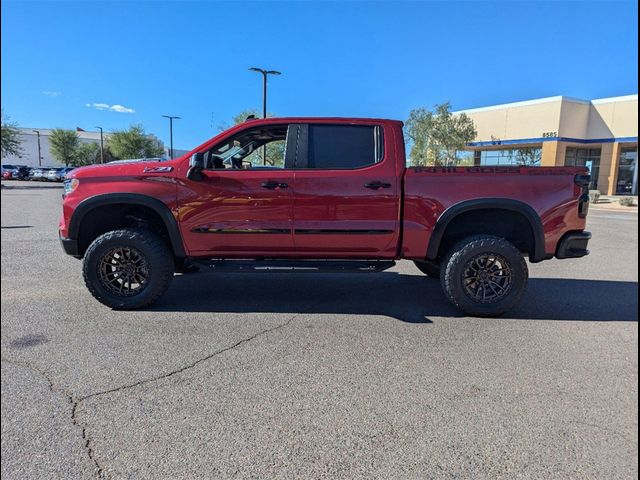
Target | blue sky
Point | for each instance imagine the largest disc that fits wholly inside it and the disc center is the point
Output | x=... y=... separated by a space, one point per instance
x=82 y=64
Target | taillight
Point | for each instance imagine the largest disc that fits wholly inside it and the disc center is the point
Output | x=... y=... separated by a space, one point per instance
x=583 y=205
x=583 y=181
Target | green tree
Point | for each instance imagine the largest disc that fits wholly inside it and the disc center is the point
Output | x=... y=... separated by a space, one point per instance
x=528 y=156
x=86 y=154
x=64 y=144
x=133 y=143
x=242 y=116
x=9 y=138
x=437 y=136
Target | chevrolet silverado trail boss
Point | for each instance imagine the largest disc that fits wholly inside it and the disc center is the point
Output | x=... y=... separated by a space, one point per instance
x=335 y=197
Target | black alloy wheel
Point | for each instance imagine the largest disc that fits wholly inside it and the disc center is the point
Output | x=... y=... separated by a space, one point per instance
x=128 y=269
x=484 y=275
x=124 y=271
x=487 y=278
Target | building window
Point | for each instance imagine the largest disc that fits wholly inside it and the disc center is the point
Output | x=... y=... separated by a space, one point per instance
x=585 y=157
x=628 y=172
x=523 y=157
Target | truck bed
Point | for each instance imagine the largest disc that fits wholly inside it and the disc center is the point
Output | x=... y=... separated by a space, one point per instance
x=551 y=192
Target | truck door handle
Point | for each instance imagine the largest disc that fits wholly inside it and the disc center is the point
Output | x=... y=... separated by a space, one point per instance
x=273 y=185
x=377 y=185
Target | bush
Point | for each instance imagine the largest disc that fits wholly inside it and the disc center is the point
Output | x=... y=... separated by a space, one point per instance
x=133 y=143
x=627 y=201
x=594 y=196
x=64 y=144
x=86 y=154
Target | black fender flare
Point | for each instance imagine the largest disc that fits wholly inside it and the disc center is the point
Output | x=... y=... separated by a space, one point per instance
x=453 y=211
x=86 y=206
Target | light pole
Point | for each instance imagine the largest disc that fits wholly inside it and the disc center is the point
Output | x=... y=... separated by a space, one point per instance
x=264 y=73
x=171 y=118
x=101 y=146
x=39 y=154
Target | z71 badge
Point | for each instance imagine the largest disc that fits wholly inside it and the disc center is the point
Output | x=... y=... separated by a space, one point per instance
x=157 y=169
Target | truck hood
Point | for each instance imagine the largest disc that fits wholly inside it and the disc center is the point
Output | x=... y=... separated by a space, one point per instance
x=124 y=168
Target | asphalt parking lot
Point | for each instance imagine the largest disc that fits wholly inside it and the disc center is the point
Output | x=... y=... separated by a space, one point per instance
x=316 y=376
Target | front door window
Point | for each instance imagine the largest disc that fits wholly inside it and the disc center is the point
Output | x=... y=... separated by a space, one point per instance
x=261 y=147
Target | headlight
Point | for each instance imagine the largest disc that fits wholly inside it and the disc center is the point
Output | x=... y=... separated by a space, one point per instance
x=70 y=184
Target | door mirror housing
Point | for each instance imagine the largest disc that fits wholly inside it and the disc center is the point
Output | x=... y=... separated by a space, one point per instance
x=197 y=160
x=196 y=165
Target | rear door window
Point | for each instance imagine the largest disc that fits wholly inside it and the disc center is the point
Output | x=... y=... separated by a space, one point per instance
x=342 y=146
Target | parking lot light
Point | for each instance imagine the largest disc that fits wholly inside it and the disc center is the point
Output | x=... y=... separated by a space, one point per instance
x=37 y=132
x=171 y=119
x=264 y=73
x=101 y=146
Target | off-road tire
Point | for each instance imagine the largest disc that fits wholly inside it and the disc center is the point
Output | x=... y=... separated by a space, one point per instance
x=458 y=262
x=157 y=257
x=429 y=268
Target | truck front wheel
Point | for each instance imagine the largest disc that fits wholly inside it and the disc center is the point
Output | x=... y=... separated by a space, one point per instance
x=484 y=276
x=128 y=269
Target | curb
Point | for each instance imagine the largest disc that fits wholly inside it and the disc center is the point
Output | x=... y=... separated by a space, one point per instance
x=32 y=187
x=614 y=209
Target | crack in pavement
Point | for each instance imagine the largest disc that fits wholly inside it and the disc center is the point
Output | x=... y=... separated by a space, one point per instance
x=604 y=429
x=72 y=400
x=191 y=365
x=76 y=401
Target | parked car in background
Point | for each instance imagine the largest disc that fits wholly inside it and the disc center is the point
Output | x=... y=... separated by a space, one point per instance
x=39 y=174
x=22 y=173
x=33 y=173
x=5 y=168
x=58 y=174
x=14 y=172
x=8 y=171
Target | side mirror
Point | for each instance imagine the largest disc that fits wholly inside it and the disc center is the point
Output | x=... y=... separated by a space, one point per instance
x=196 y=165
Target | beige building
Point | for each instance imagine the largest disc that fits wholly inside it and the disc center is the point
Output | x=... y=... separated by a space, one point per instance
x=600 y=134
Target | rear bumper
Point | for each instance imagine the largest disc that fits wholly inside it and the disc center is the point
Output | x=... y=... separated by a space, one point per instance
x=573 y=245
x=70 y=246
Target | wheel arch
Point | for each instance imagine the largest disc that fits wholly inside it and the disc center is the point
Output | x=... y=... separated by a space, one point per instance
x=163 y=212
x=533 y=220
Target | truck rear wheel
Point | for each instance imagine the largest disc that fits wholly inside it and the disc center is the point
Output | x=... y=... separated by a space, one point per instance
x=484 y=276
x=430 y=269
x=128 y=269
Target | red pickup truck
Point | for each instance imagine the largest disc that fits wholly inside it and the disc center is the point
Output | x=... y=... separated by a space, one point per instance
x=335 y=195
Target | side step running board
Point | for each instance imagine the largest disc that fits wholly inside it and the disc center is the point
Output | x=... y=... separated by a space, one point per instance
x=288 y=266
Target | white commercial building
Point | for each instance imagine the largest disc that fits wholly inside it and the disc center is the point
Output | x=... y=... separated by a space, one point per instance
x=30 y=138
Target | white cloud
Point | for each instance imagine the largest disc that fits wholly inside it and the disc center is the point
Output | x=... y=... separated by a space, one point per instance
x=99 y=106
x=50 y=93
x=112 y=108
x=121 y=109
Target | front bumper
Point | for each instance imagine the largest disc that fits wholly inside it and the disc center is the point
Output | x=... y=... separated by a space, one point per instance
x=70 y=246
x=573 y=245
